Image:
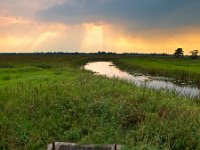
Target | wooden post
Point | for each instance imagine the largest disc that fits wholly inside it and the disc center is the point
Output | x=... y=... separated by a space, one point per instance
x=53 y=146
x=115 y=146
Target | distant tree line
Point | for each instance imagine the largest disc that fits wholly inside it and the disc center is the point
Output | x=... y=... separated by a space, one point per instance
x=180 y=53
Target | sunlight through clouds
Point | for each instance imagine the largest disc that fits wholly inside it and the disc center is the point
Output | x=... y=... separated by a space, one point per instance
x=93 y=38
x=93 y=25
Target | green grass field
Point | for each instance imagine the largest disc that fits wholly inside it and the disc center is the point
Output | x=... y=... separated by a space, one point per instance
x=45 y=98
x=184 y=69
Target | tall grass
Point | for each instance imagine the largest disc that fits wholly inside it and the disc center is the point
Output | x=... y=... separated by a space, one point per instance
x=180 y=69
x=6 y=77
x=76 y=106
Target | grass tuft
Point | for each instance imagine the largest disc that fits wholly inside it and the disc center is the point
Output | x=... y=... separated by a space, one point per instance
x=72 y=105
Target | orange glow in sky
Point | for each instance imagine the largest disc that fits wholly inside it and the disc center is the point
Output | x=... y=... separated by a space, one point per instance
x=88 y=38
x=29 y=36
x=106 y=25
x=93 y=37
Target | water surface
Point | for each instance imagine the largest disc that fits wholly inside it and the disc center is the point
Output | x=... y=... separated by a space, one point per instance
x=108 y=69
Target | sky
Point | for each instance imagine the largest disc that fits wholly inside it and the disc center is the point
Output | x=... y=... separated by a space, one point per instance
x=142 y=26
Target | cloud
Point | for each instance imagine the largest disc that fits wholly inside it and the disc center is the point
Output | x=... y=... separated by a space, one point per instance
x=8 y=21
x=92 y=25
x=25 y=8
x=133 y=14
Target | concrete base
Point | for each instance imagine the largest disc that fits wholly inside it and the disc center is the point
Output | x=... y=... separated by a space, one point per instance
x=74 y=146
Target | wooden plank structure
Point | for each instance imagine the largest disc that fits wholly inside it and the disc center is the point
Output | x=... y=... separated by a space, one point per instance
x=74 y=146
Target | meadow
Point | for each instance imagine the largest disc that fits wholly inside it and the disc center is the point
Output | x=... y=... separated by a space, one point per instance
x=184 y=69
x=45 y=98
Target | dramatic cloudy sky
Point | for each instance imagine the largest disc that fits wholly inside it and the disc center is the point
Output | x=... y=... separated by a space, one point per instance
x=93 y=25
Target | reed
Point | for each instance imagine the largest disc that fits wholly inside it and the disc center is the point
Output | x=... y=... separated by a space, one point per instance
x=40 y=106
x=181 y=69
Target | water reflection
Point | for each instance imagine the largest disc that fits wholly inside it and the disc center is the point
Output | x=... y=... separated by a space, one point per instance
x=110 y=70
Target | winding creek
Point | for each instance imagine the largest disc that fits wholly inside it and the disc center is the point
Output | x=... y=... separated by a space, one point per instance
x=108 y=69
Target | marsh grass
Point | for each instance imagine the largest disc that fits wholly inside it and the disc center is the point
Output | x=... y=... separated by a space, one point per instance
x=180 y=69
x=43 y=65
x=77 y=106
x=58 y=71
x=6 y=66
x=6 y=77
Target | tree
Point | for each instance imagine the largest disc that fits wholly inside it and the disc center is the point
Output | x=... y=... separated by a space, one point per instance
x=194 y=54
x=179 y=52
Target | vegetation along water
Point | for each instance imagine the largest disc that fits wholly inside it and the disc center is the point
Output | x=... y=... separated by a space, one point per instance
x=46 y=97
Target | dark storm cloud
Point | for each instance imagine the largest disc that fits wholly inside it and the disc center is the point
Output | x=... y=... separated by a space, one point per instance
x=137 y=13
